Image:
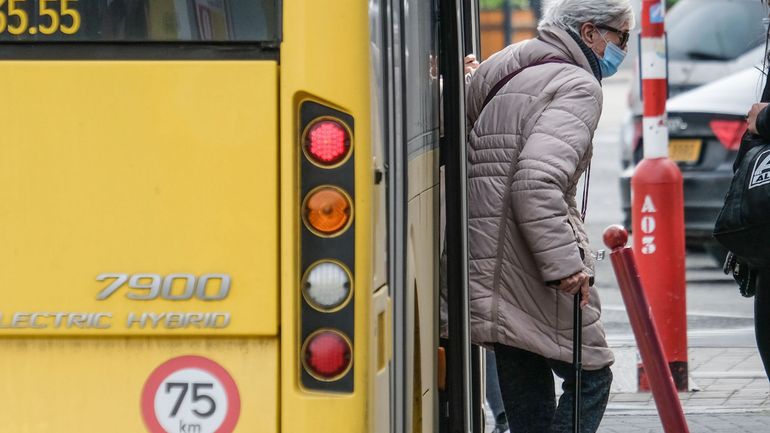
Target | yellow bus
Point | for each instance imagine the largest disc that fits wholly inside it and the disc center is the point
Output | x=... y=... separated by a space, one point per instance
x=222 y=215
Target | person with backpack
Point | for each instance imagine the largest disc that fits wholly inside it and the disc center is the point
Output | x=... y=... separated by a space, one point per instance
x=534 y=107
x=754 y=279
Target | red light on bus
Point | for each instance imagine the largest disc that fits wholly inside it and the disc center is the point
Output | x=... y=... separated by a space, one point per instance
x=327 y=142
x=327 y=355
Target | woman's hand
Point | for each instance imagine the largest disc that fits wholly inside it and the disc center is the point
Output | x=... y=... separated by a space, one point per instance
x=575 y=283
x=751 y=118
x=471 y=63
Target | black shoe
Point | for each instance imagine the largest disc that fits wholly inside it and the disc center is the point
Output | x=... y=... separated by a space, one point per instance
x=501 y=429
x=501 y=424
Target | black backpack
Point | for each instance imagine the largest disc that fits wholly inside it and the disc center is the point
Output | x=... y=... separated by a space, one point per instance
x=743 y=224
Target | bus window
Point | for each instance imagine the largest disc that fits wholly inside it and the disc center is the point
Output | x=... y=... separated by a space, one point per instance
x=140 y=21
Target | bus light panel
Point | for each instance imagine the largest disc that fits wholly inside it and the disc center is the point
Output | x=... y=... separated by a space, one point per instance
x=327 y=247
x=327 y=355
x=327 y=142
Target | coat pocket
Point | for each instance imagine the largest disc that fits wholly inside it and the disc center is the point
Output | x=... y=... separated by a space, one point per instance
x=586 y=253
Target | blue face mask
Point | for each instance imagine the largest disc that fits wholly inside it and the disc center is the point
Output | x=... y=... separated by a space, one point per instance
x=613 y=57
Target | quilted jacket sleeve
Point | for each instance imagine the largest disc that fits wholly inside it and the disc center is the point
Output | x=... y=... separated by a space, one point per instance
x=549 y=160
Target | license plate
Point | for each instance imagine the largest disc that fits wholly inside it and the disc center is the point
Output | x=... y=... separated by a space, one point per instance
x=685 y=150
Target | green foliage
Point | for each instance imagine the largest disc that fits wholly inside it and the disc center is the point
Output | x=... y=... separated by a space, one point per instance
x=523 y=4
x=498 y=4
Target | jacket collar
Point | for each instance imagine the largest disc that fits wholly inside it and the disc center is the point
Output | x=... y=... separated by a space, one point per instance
x=573 y=48
x=592 y=58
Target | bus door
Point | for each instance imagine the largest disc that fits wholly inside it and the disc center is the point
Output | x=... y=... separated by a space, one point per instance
x=405 y=78
x=464 y=402
x=472 y=45
x=381 y=334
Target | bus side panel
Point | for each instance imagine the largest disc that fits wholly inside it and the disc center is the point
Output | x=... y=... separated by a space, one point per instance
x=118 y=169
x=73 y=385
x=421 y=314
x=147 y=171
x=325 y=56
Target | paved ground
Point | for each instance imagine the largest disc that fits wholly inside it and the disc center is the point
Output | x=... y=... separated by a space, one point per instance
x=738 y=422
x=733 y=396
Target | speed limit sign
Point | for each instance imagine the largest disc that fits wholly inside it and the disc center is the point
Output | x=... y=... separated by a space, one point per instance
x=190 y=394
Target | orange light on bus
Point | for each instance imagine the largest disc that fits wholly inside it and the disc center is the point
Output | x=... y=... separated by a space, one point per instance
x=327 y=142
x=326 y=355
x=327 y=211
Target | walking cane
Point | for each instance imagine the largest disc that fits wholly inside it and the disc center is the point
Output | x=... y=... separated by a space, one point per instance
x=577 y=361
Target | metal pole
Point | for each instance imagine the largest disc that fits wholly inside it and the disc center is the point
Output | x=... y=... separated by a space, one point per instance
x=472 y=32
x=577 y=362
x=654 y=79
x=472 y=42
x=658 y=204
x=645 y=331
x=458 y=347
x=507 y=30
x=477 y=417
x=537 y=8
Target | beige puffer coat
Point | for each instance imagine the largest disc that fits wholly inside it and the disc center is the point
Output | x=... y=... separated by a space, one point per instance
x=526 y=152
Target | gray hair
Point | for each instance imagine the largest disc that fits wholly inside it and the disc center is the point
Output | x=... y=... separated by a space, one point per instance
x=571 y=14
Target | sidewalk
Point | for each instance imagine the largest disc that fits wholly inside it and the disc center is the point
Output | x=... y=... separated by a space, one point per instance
x=734 y=397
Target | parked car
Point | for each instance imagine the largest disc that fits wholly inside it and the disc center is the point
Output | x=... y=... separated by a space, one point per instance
x=707 y=40
x=705 y=129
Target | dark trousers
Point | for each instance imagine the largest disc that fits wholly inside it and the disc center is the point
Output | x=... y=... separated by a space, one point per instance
x=762 y=316
x=494 y=399
x=527 y=386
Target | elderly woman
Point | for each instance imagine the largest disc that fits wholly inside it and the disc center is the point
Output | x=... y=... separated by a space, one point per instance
x=534 y=107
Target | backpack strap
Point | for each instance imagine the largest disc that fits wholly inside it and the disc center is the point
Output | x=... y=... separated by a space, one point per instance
x=503 y=81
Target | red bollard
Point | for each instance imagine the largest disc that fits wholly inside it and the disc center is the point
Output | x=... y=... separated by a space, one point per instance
x=650 y=347
x=658 y=205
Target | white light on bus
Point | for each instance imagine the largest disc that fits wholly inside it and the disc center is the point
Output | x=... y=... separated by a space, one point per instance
x=327 y=286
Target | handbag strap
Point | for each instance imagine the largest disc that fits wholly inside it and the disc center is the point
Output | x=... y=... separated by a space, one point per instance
x=586 y=183
x=503 y=81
